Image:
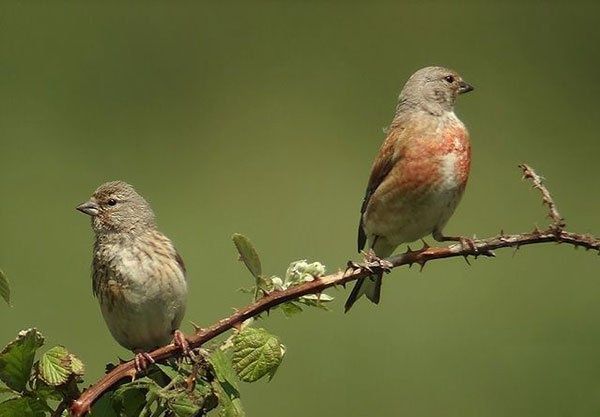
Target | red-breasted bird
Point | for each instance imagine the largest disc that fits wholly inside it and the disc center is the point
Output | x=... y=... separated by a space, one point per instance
x=137 y=275
x=419 y=174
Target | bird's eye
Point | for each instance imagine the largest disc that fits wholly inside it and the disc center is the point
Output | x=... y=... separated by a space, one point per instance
x=449 y=78
x=112 y=202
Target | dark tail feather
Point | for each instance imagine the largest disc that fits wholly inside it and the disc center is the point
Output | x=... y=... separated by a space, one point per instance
x=374 y=290
x=370 y=286
x=354 y=295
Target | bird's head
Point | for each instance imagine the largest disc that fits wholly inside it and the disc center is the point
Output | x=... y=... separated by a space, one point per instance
x=433 y=89
x=116 y=207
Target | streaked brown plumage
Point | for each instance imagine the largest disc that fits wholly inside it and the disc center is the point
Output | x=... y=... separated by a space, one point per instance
x=137 y=275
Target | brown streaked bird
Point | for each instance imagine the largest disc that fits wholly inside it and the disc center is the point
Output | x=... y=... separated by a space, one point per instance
x=137 y=275
x=419 y=174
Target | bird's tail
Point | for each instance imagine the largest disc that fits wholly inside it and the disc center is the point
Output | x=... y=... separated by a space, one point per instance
x=371 y=285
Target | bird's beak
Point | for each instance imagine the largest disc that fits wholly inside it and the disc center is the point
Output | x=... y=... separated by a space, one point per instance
x=90 y=208
x=464 y=87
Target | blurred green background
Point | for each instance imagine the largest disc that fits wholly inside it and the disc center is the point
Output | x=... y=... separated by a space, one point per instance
x=263 y=118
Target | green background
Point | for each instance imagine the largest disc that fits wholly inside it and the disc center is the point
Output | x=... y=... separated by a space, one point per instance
x=263 y=118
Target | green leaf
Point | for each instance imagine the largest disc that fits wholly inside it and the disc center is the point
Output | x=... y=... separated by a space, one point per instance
x=256 y=353
x=103 y=407
x=130 y=401
x=55 y=366
x=22 y=407
x=247 y=254
x=290 y=309
x=183 y=407
x=231 y=408
x=142 y=384
x=16 y=359
x=77 y=367
x=46 y=392
x=4 y=288
x=6 y=393
x=169 y=371
x=229 y=401
x=222 y=367
x=6 y=390
x=226 y=386
x=316 y=300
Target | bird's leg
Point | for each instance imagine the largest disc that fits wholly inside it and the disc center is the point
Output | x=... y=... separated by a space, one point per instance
x=465 y=242
x=142 y=360
x=372 y=260
x=180 y=341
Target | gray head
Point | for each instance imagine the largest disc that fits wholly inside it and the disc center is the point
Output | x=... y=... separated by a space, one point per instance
x=116 y=207
x=432 y=89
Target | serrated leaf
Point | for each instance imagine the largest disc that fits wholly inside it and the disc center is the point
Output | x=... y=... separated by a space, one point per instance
x=77 y=366
x=4 y=287
x=183 y=407
x=248 y=254
x=22 y=407
x=256 y=353
x=16 y=359
x=55 y=366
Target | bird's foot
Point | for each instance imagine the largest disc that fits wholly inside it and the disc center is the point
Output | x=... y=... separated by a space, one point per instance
x=142 y=361
x=468 y=243
x=180 y=341
x=374 y=261
x=351 y=265
x=465 y=242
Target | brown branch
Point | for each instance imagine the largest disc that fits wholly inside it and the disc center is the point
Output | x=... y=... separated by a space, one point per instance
x=558 y=223
x=484 y=247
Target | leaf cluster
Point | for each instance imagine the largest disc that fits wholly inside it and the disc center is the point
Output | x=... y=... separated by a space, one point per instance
x=207 y=380
x=31 y=388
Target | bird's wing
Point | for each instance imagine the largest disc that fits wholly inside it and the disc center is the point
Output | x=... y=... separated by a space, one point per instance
x=179 y=260
x=387 y=157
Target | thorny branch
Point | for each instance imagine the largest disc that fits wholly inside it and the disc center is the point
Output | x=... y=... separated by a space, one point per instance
x=558 y=223
x=554 y=233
